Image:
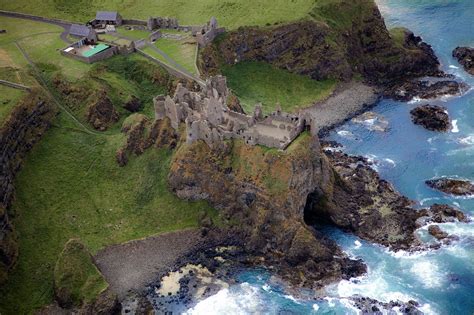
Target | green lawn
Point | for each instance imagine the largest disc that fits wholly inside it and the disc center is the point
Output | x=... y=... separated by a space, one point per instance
x=133 y=34
x=183 y=51
x=154 y=54
x=230 y=13
x=255 y=82
x=72 y=187
x=42 y=43
x=9 y=97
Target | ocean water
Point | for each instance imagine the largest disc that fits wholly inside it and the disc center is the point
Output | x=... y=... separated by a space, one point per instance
x=441 y=281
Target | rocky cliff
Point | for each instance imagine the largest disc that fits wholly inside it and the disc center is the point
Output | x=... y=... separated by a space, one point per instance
x=264 y=191
x=345 y=39
x=21 y=130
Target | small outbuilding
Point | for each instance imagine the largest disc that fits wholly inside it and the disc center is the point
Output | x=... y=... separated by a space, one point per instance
x=83 y=31
x=108 y=18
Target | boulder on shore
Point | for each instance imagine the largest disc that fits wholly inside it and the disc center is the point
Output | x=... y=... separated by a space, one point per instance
x=431 y=117
x=465 y=56
x=457 y=187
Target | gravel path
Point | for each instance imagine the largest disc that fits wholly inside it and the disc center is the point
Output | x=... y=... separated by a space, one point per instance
x=133 y=265
x=346 y=102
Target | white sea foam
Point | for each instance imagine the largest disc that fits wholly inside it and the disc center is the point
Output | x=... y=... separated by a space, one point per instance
x=453 y=67
x=357 y=244
x=424 y=200
x=374 y=286
x=291 y=298
x=415 y=100
x=455 y=128
x=266 y=287
x=346 y=134
x=245 y=300
x=428 y=274
x=390 y=161
x=469 y=140
x=330 y=301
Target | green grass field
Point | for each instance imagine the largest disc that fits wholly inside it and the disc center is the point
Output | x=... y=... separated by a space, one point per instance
x=8 y=99
x=133 y=34
x=72 y=187
x=41 y=41
x=183 y=52
x=230 y=13
x=255 y=82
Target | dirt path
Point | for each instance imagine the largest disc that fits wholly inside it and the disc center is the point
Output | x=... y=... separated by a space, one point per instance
x=133 y=265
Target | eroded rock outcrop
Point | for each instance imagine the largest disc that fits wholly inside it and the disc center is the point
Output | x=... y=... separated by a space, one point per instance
x=452 y=186
x=142 y=133
x=326 y=47
x=19 y=132
x=425 y=90
x=431 y=117
x=465 y=56
x=371 y=208
x=101 y=113
x=265 y=190
x=365 y=204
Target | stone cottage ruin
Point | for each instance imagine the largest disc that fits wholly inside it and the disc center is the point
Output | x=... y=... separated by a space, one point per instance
x=207 y=117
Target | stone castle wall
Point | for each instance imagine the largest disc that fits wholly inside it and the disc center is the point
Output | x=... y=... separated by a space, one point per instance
x=207 y=117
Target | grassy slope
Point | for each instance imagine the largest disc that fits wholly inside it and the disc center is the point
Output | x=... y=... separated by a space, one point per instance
x=183 y=52
x=255 y=82
x=231 y=13
x=75 y=275
x=70 y=187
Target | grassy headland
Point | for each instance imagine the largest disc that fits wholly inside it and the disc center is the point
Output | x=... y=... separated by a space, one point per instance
x=255 y=82
x=231 y=14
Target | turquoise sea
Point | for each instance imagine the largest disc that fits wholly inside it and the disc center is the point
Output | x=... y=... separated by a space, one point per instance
x=442 y=281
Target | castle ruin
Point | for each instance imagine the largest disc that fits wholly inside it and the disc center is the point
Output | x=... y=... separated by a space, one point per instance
x=208 y=118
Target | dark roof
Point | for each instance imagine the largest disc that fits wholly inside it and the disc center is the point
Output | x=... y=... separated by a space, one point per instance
x=79 y=30
x=106 y=15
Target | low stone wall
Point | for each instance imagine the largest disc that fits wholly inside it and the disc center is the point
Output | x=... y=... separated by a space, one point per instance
x=97 y=57
x=24 y=127
x=133 y=22
x=36 y=18
x=15 y=85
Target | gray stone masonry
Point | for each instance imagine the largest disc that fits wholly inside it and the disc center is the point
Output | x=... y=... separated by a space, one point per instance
x=207 y=117
x=207 y=33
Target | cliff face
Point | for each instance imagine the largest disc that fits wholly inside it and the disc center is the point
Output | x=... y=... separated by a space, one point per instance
x=24 y=127
x=265 y=192
x=346 y=38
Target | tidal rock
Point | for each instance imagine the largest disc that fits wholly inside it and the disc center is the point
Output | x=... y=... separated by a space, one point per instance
x=371 y=306
x=365 y=204
x=465 y=56
x=457 y=187
x=425 y=90
x=436 y=231
x=432 y=117
x=444 y=213
x=372 y=121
